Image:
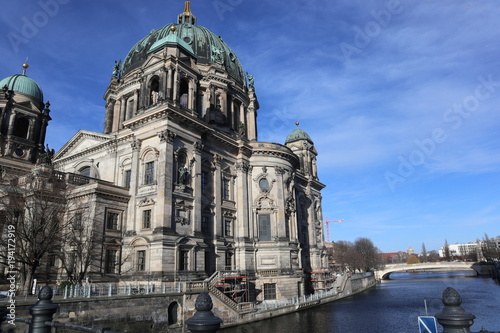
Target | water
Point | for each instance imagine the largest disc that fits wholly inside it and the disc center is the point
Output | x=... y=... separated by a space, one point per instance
x=392 y=306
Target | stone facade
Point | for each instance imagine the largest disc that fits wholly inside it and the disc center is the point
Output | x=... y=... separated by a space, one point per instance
x=202 y=193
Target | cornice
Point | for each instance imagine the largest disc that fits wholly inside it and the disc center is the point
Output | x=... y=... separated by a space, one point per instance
x=113 y=142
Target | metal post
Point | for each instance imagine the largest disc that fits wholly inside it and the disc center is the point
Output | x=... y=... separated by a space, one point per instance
x=453 y=317
x=42 y=311
x=203 y=321
x=110 y=291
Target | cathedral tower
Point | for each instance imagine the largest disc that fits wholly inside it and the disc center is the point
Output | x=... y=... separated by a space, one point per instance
x=23 y=117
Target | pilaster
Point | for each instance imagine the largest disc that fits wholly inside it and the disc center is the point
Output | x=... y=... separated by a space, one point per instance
x=165 y=181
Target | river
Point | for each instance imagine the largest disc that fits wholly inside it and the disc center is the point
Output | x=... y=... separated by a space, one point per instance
x=392 y=306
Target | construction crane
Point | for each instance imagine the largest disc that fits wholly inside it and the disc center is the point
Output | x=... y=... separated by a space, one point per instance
x=327 y=223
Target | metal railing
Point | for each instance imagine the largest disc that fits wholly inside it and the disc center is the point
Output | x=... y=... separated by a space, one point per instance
x=296 y=301
x=128 y=289
x=41 y=320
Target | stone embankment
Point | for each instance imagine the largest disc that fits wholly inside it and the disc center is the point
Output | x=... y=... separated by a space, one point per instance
x=171 y=309
x=345 y=286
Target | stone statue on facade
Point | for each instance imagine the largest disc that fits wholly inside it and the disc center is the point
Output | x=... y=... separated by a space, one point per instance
x=250 y=80
x=117 y=70
x=46 y=156
x=183 y=171
x=242 y=131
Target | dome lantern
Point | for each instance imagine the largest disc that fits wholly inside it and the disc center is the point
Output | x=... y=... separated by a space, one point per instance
x=186 y=17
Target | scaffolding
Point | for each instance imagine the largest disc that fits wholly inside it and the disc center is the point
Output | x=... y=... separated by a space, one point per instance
x=235 y=287
x=322 y=280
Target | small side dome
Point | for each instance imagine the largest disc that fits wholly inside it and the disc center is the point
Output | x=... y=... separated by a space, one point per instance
x=23 y=84
x=297 y=135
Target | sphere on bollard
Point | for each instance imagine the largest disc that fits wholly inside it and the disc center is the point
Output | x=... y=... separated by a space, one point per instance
x=42 y=311
x=453 y=317
x=203 y=321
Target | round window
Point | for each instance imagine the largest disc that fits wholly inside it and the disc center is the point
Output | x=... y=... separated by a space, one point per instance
x=264 y=185
x=19 y=152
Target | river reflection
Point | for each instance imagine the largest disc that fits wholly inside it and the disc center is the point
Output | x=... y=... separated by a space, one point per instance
x=392 y=306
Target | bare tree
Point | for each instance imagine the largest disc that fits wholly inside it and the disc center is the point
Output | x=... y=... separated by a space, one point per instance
x=340 y=253
x=34 y=205
x=369 y=252
x=433 y=256
x=360 y=256
x=79 y=246
x=489 y=249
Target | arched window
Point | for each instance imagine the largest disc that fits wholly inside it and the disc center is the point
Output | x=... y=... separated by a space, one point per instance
x=85 y=171
x=21 y=127
x=184 y=93
x=154 y=91
x=149 y=166
x=173 y=310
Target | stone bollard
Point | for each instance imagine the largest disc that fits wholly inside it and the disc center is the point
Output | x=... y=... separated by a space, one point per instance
x=203 y=321
x=453 y=317
x=42 y=311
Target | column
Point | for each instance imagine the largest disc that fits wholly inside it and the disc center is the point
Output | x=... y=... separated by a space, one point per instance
x=280 y=218
x=196 y=172
x=165 y=181
x=242 y=229
x=206 y=104
x=108 y=121
x=31 y=129
x=169 y=83
x=163 y=84
x=218 y=197
x=230 y=114
x=250 y=121
x=134 y=183
x=133 y=112
x=191 y=97
x=175 y=83
x=116 y=116
x=12 y=123
x=223 y=106
x=123 y=109
x=43 y=130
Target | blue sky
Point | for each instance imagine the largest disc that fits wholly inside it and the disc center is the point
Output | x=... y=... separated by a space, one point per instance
x=400 y=97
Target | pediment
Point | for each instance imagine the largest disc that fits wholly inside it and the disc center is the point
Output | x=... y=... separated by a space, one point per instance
x=81 y=141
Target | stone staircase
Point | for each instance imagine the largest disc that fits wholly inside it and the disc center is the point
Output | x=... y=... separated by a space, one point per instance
x=211 y=286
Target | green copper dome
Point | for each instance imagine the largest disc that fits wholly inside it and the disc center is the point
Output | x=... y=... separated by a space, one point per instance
x=207 y=47
x=23 y=84
x=297 y=135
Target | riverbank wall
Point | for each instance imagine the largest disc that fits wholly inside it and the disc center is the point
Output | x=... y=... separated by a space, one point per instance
x=167 y=313
x=345 y=286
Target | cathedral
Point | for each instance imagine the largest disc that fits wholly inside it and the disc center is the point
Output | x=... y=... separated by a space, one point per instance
x=177 y=184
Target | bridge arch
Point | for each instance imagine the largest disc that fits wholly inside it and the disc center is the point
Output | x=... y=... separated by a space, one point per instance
x=385 y=273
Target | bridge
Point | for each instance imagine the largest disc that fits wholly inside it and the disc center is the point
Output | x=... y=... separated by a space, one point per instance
x=423 y=267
